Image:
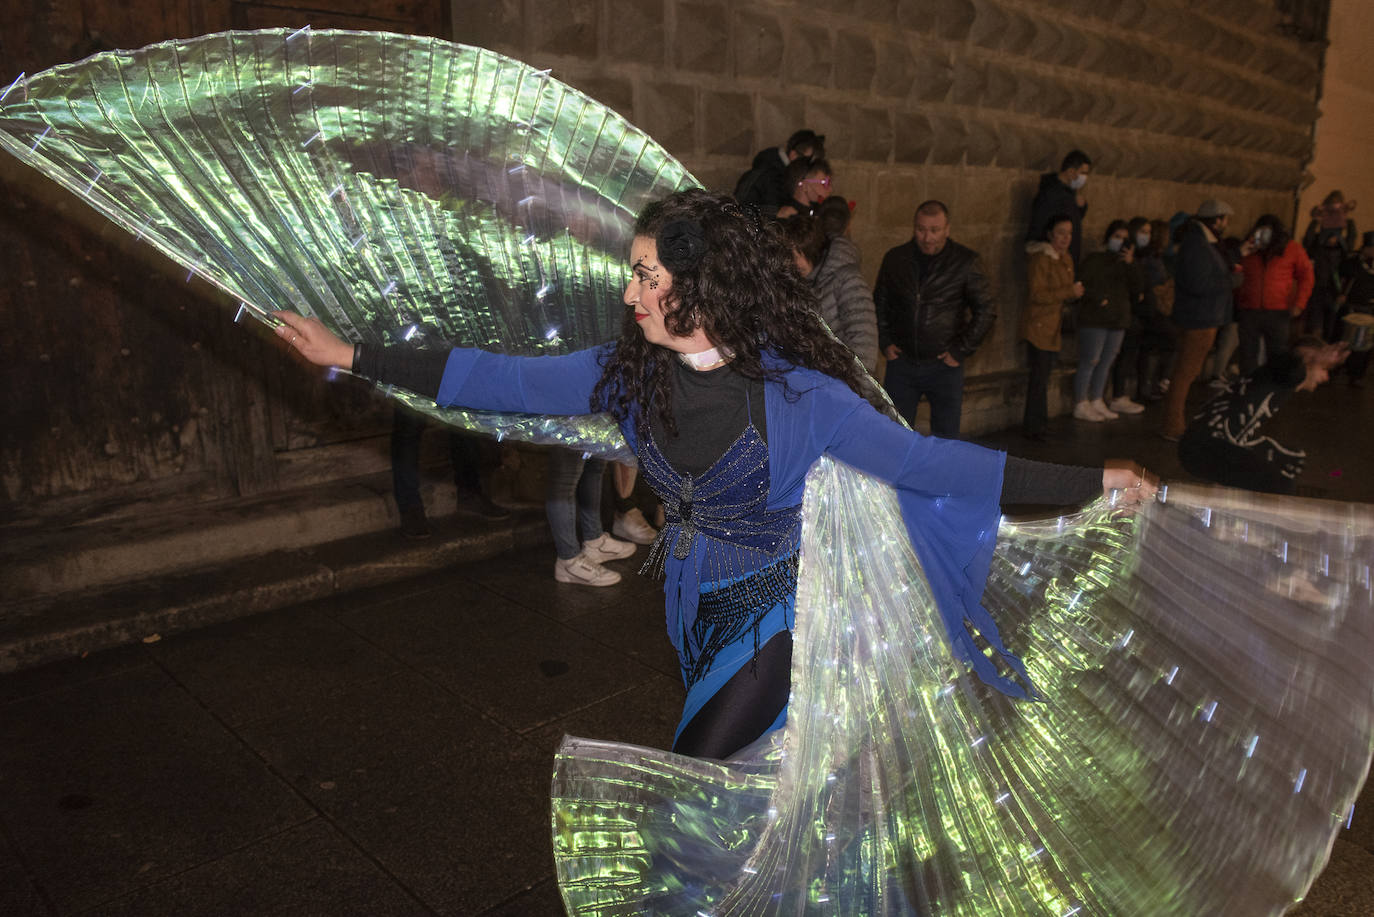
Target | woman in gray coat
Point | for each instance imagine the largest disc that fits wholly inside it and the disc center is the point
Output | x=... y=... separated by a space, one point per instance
x=832 y=267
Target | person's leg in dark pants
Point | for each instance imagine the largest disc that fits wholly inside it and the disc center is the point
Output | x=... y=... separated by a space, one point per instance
x=1275 y=329
x=1250 y=326
x=1126 y=371
x=465 y=453
x=944 y=386
x=406 y=429
x=1037 y=415
x=903 y=387
x=744 y=707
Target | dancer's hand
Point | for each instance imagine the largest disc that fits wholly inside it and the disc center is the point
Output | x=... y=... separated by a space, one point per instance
x=1133 y=483
x=314 y=341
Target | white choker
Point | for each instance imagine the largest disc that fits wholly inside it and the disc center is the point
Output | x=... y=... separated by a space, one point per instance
x=707 y=359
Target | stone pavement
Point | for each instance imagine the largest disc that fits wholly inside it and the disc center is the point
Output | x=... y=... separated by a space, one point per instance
x=385 y=749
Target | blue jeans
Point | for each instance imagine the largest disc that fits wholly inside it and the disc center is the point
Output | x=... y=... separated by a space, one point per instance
x=573 y=500
x=908 y=381
x=1097 y=349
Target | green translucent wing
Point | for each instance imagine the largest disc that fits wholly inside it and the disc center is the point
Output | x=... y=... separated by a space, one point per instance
x=397 y=187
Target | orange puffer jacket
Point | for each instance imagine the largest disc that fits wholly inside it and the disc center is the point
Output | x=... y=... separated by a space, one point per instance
x=1282 y=283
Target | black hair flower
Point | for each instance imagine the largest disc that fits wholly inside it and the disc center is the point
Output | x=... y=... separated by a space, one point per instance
x=681 y=245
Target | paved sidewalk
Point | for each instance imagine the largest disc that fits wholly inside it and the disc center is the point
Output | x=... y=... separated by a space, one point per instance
x=386 y=749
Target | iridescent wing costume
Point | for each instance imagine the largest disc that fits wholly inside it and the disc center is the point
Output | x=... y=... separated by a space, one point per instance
x=1204 y=665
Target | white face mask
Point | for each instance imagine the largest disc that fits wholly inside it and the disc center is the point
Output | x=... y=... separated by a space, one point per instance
x=1078 y=182
x=1142 y=240
x=1114 y=243
x=1264 y=236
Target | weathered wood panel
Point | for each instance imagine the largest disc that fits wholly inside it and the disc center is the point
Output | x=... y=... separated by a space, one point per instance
x=125 y=383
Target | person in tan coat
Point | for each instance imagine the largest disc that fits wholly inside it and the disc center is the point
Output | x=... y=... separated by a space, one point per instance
x=1049 y=274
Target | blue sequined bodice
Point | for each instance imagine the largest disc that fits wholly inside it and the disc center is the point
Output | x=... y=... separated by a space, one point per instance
x=726 y=507
x=728 y=557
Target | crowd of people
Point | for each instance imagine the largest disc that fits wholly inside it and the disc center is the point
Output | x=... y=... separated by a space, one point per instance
x=1153 y=307
x=1149 y=309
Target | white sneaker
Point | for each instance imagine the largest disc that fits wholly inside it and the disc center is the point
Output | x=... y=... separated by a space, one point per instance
x=1124 y=405
x=583 y=571
x=1103 y=411
x=632 y=526
x=1084 y=410
x=604 y=548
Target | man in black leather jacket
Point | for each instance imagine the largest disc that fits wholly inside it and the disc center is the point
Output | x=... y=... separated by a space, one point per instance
x=934 y=309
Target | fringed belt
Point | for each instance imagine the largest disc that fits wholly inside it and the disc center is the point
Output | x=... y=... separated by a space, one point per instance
x=724 y=614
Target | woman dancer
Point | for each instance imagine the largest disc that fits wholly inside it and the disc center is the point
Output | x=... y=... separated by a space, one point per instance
x=728 y=389
x=1205 y=663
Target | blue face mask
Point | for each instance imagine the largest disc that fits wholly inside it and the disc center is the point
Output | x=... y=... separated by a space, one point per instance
x=1078 y=182
x=1114 y=243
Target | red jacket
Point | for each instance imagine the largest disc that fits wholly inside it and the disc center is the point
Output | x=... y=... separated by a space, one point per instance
x=1280 y=284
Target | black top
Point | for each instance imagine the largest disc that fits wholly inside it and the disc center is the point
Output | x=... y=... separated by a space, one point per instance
x=712 y=408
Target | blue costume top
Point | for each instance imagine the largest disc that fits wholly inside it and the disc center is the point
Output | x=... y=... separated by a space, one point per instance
x=948 y=490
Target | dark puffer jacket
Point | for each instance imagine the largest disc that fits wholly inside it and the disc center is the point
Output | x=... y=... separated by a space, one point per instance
x=1202 y=281
x=945 y=307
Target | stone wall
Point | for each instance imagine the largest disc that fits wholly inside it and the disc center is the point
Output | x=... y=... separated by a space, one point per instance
x=1344 y=155
x=962 y=100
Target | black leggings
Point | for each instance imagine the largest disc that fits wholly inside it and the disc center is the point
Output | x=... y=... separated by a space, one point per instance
x=744 y=707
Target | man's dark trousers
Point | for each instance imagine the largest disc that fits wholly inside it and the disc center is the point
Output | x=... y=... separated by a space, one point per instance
x=908 y=381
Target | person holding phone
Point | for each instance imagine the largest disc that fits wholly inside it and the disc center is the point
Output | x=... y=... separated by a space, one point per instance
x=1111 y=285
x=1276 y=284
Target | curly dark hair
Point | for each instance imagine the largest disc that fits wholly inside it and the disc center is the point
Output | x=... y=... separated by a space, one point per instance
x=745 y=293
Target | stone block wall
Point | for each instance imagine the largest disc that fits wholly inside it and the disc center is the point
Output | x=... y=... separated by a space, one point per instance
x=1345 y=132
x=962 y=100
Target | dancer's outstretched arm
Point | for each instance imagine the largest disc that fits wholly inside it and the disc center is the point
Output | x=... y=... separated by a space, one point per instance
x=462 y=377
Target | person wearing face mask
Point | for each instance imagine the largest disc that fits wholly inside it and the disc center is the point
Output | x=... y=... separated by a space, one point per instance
x=1157 y=301
x=1061 y=194
x=1202 y=303
x=1277 y=281
x=1129 y=370
x=1110 y=286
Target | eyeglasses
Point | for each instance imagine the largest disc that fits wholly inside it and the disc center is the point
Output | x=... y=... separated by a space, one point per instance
x=823 y=182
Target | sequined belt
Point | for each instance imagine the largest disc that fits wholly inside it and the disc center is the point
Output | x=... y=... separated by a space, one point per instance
x=757 y=592
x=724 y=615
